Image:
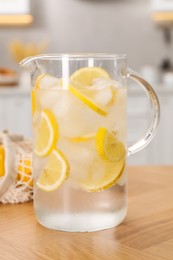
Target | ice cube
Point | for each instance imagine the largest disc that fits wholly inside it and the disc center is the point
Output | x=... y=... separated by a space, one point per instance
x=103 y=96
x=74 y=117
x=62 y=105
x=104 y=91
x=69 y=111
x=79 y=153
x=80 y=122
x=49 y=82
x=48 y=91
x=80 y=157
x=85 y=155
x=117 y=117
x=48 y=98
x=101 y=83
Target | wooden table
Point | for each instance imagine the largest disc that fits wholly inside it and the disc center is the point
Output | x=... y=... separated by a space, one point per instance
x=147 y=232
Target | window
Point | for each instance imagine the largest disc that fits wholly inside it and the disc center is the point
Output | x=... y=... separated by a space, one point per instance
x=15 y=12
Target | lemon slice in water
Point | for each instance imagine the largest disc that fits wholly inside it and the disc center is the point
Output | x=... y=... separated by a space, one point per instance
x=104 y=177
x=33 y=101
x=86 y=75
x=46 y=134
x=108 y=146
x=55 y=172
x=80 y=82
x=2 y=161
x=82 y=138
x=87 y=101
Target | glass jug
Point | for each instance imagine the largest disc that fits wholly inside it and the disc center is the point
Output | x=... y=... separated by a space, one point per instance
x=79 y=108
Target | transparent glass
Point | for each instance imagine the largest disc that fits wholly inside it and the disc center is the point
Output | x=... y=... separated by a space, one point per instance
x=82 y=100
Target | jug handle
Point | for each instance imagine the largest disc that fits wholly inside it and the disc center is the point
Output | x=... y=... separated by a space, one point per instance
x=155 y=113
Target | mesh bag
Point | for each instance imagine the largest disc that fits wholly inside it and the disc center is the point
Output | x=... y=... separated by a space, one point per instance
x=16 y=185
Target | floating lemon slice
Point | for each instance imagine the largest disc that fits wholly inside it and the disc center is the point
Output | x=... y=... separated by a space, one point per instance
x=2 y=161
x=83 y=78
x=33 y=101
x=111 y=173
x=55 y=172
x=86 y=75
x=47 y=134
x=38 y=80
x=77 y=93
x=83 y=138
x=108 y=146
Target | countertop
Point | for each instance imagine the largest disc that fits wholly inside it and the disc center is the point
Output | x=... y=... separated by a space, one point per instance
x=146 y=233
x=15 y=90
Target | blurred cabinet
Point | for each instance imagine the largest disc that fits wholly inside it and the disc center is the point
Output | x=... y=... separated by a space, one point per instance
x=15 y=111
x=160 y=150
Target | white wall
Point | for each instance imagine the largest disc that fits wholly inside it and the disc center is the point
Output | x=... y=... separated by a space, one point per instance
x=119 y=26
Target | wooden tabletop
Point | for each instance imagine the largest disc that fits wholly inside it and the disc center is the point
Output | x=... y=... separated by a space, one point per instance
x=146 y=233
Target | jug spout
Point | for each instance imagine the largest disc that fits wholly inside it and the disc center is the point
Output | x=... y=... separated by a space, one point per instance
x=29 y=64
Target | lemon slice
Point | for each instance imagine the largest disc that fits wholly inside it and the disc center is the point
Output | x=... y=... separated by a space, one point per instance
x=83 y=138
x=108 y=146
x=55 y=172
x=38 y=80
x=111 y=174
x=86 y=75
x=83 y=78
x=46 y=81
x=33 y=101
x=87 y=101
x=2 y=161
x=47 y=134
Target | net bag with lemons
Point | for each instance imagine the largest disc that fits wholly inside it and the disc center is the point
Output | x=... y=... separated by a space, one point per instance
x=16 y=182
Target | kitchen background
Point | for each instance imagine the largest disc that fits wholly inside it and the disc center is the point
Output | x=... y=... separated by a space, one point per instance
x=122 y=26
x=118 y=26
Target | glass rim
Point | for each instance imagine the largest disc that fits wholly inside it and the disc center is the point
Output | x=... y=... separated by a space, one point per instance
x=82 y=56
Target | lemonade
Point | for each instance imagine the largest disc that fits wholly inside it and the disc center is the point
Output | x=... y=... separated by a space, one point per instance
x=79 y=129
x=80 y=138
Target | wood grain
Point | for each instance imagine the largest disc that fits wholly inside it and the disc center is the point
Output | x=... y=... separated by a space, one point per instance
x=146 y=233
